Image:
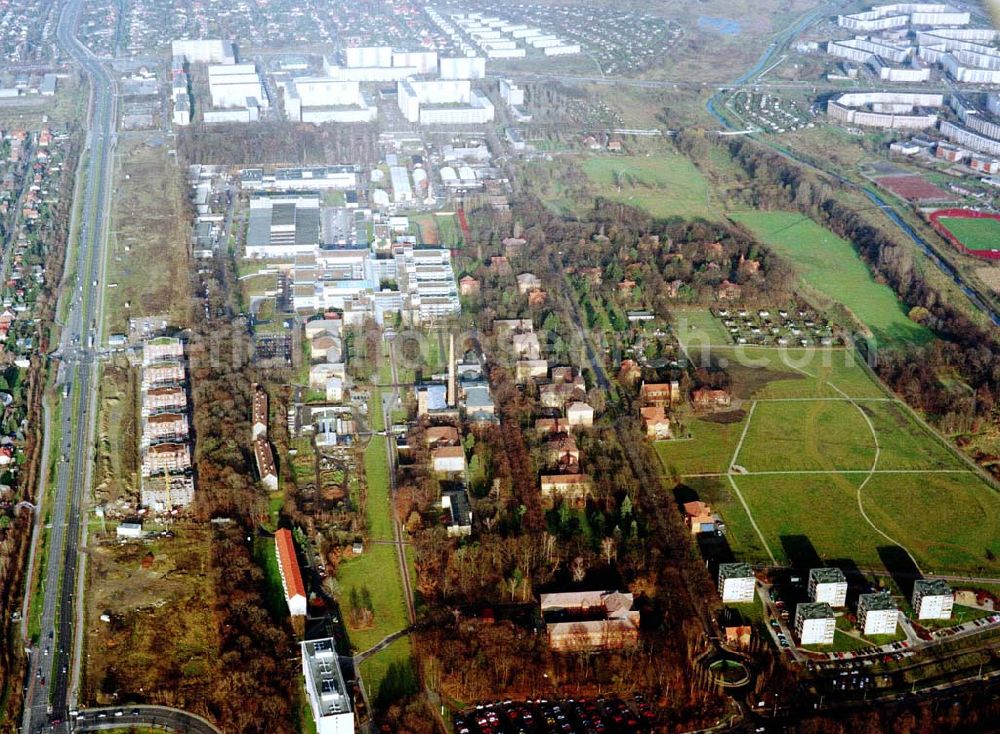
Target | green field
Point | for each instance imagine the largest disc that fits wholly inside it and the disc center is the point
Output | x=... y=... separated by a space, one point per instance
x=665 y=185
x=975 y=234
x=829 y=265
x=807 y=435
x=814 y=421
x=377 y=568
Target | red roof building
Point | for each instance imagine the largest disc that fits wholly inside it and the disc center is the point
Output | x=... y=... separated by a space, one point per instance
x=291 y=576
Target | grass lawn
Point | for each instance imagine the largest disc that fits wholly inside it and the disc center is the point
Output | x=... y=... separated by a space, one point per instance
x=709 y=449
x=665 y=185
x=378 y=570
x=910 y=508
x=377 y=473
x=976 y=234
x=807 y=435
x=793 y=372
x=906 y=444
x=697 y=328
x=805 y=517
x=830 y=265
x=373 y=669
x=449 y=233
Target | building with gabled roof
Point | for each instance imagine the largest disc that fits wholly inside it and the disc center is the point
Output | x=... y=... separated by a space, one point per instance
x=291 y=575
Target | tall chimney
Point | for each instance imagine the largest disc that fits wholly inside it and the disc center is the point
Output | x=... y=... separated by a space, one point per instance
x=451 y=372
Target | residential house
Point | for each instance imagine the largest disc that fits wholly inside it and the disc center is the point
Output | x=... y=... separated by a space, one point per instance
x=660 y=393
x=448 y=460
x=468 y=286
x=527 y=282
x=563 y=451
x=437 y=436
x=699 y=518
x=708 y=399
x=580 y=414
x=656 y=423
x=572 y=488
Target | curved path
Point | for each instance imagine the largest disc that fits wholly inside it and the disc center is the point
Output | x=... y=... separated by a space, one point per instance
x=159 y=717
x=871 y=473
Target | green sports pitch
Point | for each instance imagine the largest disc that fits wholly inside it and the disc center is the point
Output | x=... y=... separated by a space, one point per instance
x=975 y=234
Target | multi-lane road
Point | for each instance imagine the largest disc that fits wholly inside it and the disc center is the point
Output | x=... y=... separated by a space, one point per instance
x=51 y=667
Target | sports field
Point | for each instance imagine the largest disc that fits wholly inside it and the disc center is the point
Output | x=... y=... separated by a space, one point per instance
x=825 y=464
x=978 y=234
x=665 y=185
x=831 y=266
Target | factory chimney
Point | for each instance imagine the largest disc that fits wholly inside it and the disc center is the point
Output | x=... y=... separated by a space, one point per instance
x=451 y=372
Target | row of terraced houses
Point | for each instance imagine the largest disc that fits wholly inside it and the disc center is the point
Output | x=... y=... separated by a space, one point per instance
x=165 y=440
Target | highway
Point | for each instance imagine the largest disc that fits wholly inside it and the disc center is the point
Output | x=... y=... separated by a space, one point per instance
x=49 y=697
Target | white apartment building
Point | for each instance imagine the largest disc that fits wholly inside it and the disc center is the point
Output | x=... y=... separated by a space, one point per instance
x=329 y=698
x=737 y=584
x=877 y=614
x=815 y=623
x=932 y=599
x=828 y=585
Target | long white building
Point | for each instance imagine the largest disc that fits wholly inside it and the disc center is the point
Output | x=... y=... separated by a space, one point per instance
x=204 y=51
x=236 y=85
x=329 y=698
x=281 y=227
x=443 y=102
x=890 y=110
x=902 y=15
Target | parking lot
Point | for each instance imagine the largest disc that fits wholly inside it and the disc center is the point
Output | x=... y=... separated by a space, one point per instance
x=572 y=716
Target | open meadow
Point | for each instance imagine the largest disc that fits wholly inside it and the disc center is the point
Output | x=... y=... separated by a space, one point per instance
x=821 y=464
x=830 y=266
x=666 y=184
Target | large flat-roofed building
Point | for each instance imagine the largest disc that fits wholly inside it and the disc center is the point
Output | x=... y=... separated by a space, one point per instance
x=877 y=614
x=162 y=349
x=305 y=178
x=828 y=585
x=165 y=427
x=166 y=492
x=902 y=15
x=932 y=599
x=291 y=576
x=163 y=399
x=166 y=458
x=233 y=85
x=737 y=584
x=326 y=99
x=204 y=51
x=162 y=373
x=889 y=110
x=462 y=67
x=443 y=102
x=283 y=226
x=328 y=696
x=815 y=623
